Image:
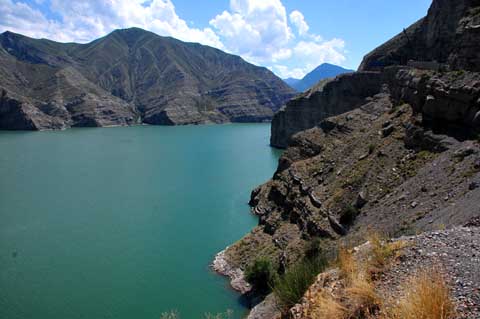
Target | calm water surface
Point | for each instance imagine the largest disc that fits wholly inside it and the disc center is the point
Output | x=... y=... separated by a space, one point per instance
x=123 y=222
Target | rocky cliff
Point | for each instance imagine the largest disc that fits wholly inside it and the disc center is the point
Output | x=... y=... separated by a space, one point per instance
x=336 y=96
x=130 y=76
x=445 y=40
x=394 y=149
x=448 y=35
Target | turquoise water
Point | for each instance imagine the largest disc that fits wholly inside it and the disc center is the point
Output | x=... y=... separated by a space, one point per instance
x=123 y=222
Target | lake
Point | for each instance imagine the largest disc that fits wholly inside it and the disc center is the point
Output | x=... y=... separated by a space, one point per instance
x=124 y=222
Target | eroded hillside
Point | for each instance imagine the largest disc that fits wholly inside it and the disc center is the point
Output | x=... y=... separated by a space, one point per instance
x=393 y=149
x=128 y=77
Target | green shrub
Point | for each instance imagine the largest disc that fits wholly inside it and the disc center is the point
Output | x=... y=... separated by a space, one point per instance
x=291 y=286
x=371 y=148
x=348 y=215
x=261 y=275
x=314 y=248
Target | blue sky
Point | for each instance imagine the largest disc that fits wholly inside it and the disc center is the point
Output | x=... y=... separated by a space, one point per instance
x=291 y=37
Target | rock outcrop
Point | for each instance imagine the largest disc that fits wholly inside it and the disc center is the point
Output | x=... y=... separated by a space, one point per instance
x=328 y=98
x=449 y=102
x=445 y=40
x=130 y=76
x=394 y=147
x=448 y=35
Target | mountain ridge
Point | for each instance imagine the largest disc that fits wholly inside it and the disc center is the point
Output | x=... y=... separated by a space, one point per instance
x=127 y=77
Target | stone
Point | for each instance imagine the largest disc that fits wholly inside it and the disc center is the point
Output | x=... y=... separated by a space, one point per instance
x=464 y=152
x=476 y=163
x=418 y=138
x=387 y=130
x=473 y=185
x=361 y=200
x=314 y=200
x=336 y=226
x=364 y=156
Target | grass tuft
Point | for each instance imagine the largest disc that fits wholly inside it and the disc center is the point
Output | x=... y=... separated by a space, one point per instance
x=362 y=296
x=291 y=286
x=347 y=264
x=382 y=250
x=427 y=296
x=324 y=305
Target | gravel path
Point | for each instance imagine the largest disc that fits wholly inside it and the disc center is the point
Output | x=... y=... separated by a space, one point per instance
x=456 y=252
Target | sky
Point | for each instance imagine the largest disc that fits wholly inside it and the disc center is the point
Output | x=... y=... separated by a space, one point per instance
x=290 y=37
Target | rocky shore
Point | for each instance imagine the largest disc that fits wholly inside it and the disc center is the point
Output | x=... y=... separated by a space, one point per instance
x=221 y=265
x=394 y=148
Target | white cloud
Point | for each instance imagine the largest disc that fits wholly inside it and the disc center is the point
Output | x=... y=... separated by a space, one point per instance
x=258 y=30
x=313 y=53
x=255 y=29
x=298 y=20
x=307 y=55
x=21 y=18
x=83 y=21
x=286 y=72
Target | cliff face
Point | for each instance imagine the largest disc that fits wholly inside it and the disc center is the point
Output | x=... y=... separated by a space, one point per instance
x=447 y=38
x=395 y=149
x=132 y=76
x=380 y=165
x=447 y=35
x=329 y=97
x=449 y=102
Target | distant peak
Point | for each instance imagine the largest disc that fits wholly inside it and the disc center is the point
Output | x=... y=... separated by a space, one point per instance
x=9 y=33
x=131 y=31
x=129 y=36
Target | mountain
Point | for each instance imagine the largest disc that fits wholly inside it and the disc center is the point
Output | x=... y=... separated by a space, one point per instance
x=291 y=82
x=322 y=72
x=129 y=76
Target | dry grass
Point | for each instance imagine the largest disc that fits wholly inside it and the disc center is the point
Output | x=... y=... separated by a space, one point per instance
x=426 y=296
x=360 y=291
x=382 y=250
x=362 y=297
x=324 y=305
x=347 y=264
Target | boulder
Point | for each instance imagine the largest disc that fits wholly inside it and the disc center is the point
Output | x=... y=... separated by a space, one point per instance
x=361 y=200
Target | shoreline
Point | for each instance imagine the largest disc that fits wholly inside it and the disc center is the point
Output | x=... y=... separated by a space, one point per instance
x=236 y=276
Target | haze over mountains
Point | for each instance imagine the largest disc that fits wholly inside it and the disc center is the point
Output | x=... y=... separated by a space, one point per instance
x=127 y=77
x=323 y=71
